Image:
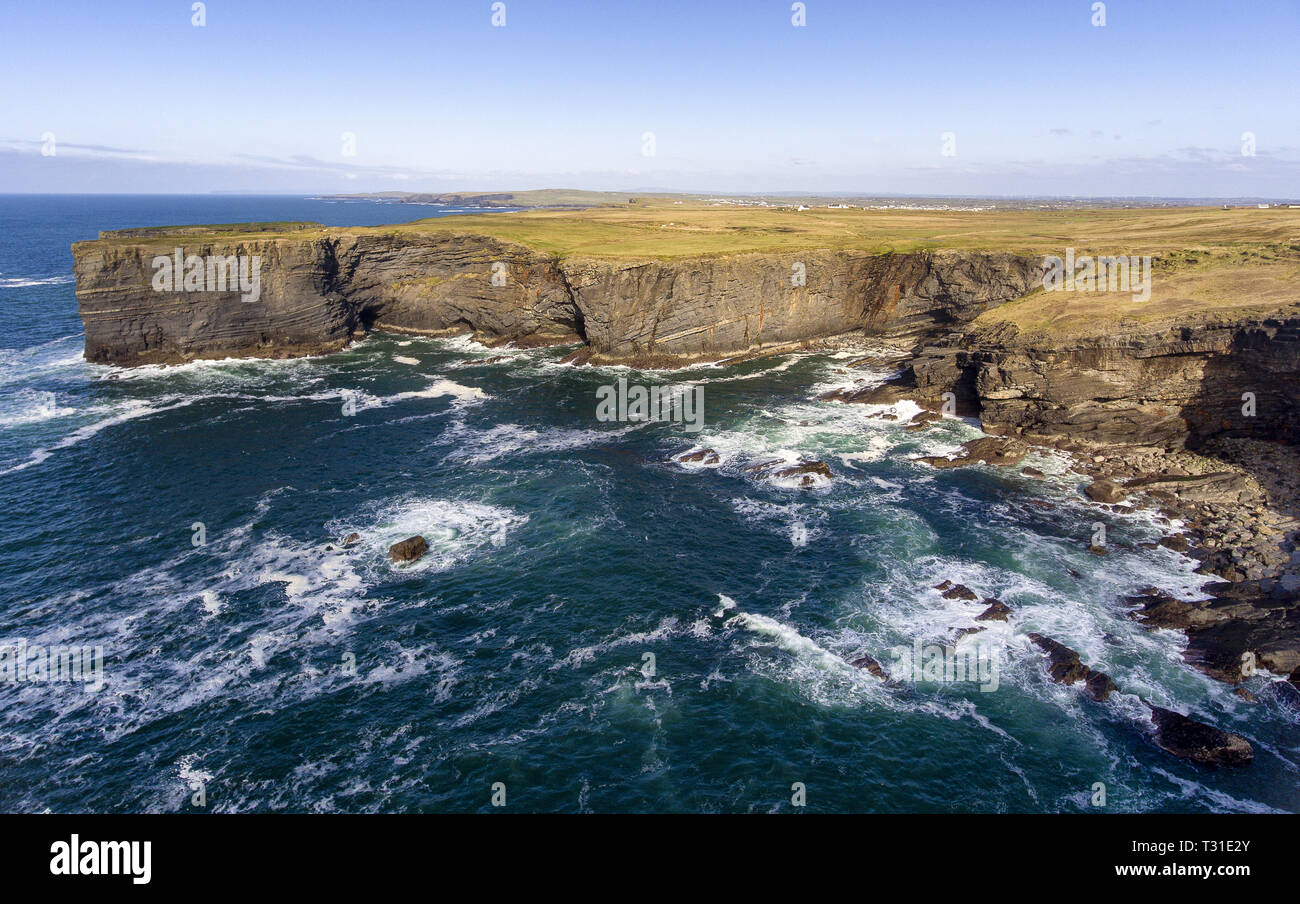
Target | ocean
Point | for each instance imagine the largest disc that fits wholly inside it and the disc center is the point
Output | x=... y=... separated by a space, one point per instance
x=594 y=628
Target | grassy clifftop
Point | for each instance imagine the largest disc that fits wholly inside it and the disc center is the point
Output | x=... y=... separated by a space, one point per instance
x=680 y=230
x=668 y=230
x=1208 y=260
x=1218 y=284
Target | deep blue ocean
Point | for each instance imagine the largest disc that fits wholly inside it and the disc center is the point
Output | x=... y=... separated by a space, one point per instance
x=594 y=628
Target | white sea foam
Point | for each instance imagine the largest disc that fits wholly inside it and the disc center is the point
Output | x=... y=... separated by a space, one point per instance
x=34 y=364
x=440 y=388
x=31 y=407
x=24 y=282
x=479 y=446
x=120 y=415
x=455 y=530
x=787 y=638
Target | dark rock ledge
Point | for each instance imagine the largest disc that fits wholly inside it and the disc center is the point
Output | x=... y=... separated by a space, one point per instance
x=1172 y=732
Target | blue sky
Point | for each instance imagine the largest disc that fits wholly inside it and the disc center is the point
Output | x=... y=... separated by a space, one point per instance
x=1039 y=100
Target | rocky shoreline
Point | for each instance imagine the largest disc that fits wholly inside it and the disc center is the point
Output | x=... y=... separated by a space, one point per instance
x=1235 y=501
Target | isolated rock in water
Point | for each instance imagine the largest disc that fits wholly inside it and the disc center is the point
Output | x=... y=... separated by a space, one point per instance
x=1200 y=743
x=408 y=550
x=960 y=592
x=1105 y=491
x=807 y=472
x=351 y=539
x=997 y=611
x=762 y=466
x=943 y=586
x=1063 y=663
x=1032 y=472
x=1065 y=668
x=1099 y=686
x=1098 y=550
x=703 y=456
x=1246 y=695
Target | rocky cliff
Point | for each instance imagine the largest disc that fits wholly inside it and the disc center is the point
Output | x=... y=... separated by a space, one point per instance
x=320 y=288
x=1159 y=385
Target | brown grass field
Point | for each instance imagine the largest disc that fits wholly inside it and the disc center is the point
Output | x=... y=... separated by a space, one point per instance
x=1209 y=261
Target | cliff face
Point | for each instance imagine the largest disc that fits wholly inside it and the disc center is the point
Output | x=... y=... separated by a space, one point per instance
x=319 y=290
x=315 y=295
x=1152 y=384
x=715 y=306
x=128 y=323
x=1169 y=386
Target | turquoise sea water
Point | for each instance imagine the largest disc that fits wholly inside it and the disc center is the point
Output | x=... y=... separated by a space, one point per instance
x=564 y=552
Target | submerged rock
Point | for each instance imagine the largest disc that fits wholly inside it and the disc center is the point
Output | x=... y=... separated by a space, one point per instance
x=871 y=665
x=702 y=456
x=1286 y=692
x=408 y=550
x=1191 y=740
